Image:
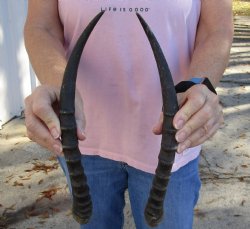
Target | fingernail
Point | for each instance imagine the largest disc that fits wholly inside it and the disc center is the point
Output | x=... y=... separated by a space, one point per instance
x=181 y=148
x=55 y=133
x=57 y=149
x=179 y=124
x=180 y=137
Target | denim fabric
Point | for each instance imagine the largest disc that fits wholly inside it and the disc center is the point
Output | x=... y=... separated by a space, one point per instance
x=109 y=179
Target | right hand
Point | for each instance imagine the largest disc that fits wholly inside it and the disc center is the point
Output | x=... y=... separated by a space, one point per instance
x=41 y=118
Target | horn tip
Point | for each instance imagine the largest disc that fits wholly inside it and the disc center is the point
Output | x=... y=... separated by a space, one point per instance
x=138 y=15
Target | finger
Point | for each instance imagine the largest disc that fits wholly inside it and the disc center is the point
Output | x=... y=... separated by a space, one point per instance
x=43 y=109
x=157 y=129
x=181 y=98
x=195 y=99
x=37 y=132
x=198 y=137
x=208 y=114
x=80 y=130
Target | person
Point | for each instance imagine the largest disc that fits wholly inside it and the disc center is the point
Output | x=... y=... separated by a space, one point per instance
x=119 y=96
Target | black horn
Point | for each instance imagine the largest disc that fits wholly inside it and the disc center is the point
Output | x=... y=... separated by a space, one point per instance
x=154 y=208
x=82 y=204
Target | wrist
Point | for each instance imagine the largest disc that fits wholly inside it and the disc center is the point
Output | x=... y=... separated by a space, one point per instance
x=185 y=85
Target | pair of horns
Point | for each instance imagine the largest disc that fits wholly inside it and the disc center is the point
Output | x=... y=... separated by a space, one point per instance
x=82 y=205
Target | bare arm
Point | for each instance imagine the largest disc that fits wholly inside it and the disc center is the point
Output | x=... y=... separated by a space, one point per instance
x=43 y=34
x=44 y=41
x=200 y=113
x=213 y=40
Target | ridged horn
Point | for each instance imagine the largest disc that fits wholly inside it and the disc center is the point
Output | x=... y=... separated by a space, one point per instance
x=82 y=204
x=154 y=208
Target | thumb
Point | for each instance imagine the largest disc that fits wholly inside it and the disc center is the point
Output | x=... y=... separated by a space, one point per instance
x=157 y=129
x=80 y=124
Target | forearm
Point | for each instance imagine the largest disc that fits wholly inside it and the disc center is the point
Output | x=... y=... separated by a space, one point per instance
x=213 y=40
x=44 y=40
x=47 y=55
x=210 y=57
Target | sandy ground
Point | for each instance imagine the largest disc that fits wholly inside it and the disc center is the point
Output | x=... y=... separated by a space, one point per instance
x=33 y=191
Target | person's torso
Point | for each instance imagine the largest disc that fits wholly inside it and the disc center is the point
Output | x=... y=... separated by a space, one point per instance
x=118 y=77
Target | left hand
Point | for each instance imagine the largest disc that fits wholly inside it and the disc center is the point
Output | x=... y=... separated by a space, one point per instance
x=198 y=119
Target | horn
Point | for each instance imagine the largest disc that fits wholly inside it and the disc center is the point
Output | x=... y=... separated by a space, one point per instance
x=154 y=208
x=82 y=204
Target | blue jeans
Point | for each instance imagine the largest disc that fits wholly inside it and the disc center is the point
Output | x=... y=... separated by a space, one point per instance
x=109 y=179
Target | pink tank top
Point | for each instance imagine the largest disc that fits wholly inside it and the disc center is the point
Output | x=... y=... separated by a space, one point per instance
x=118 y=77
